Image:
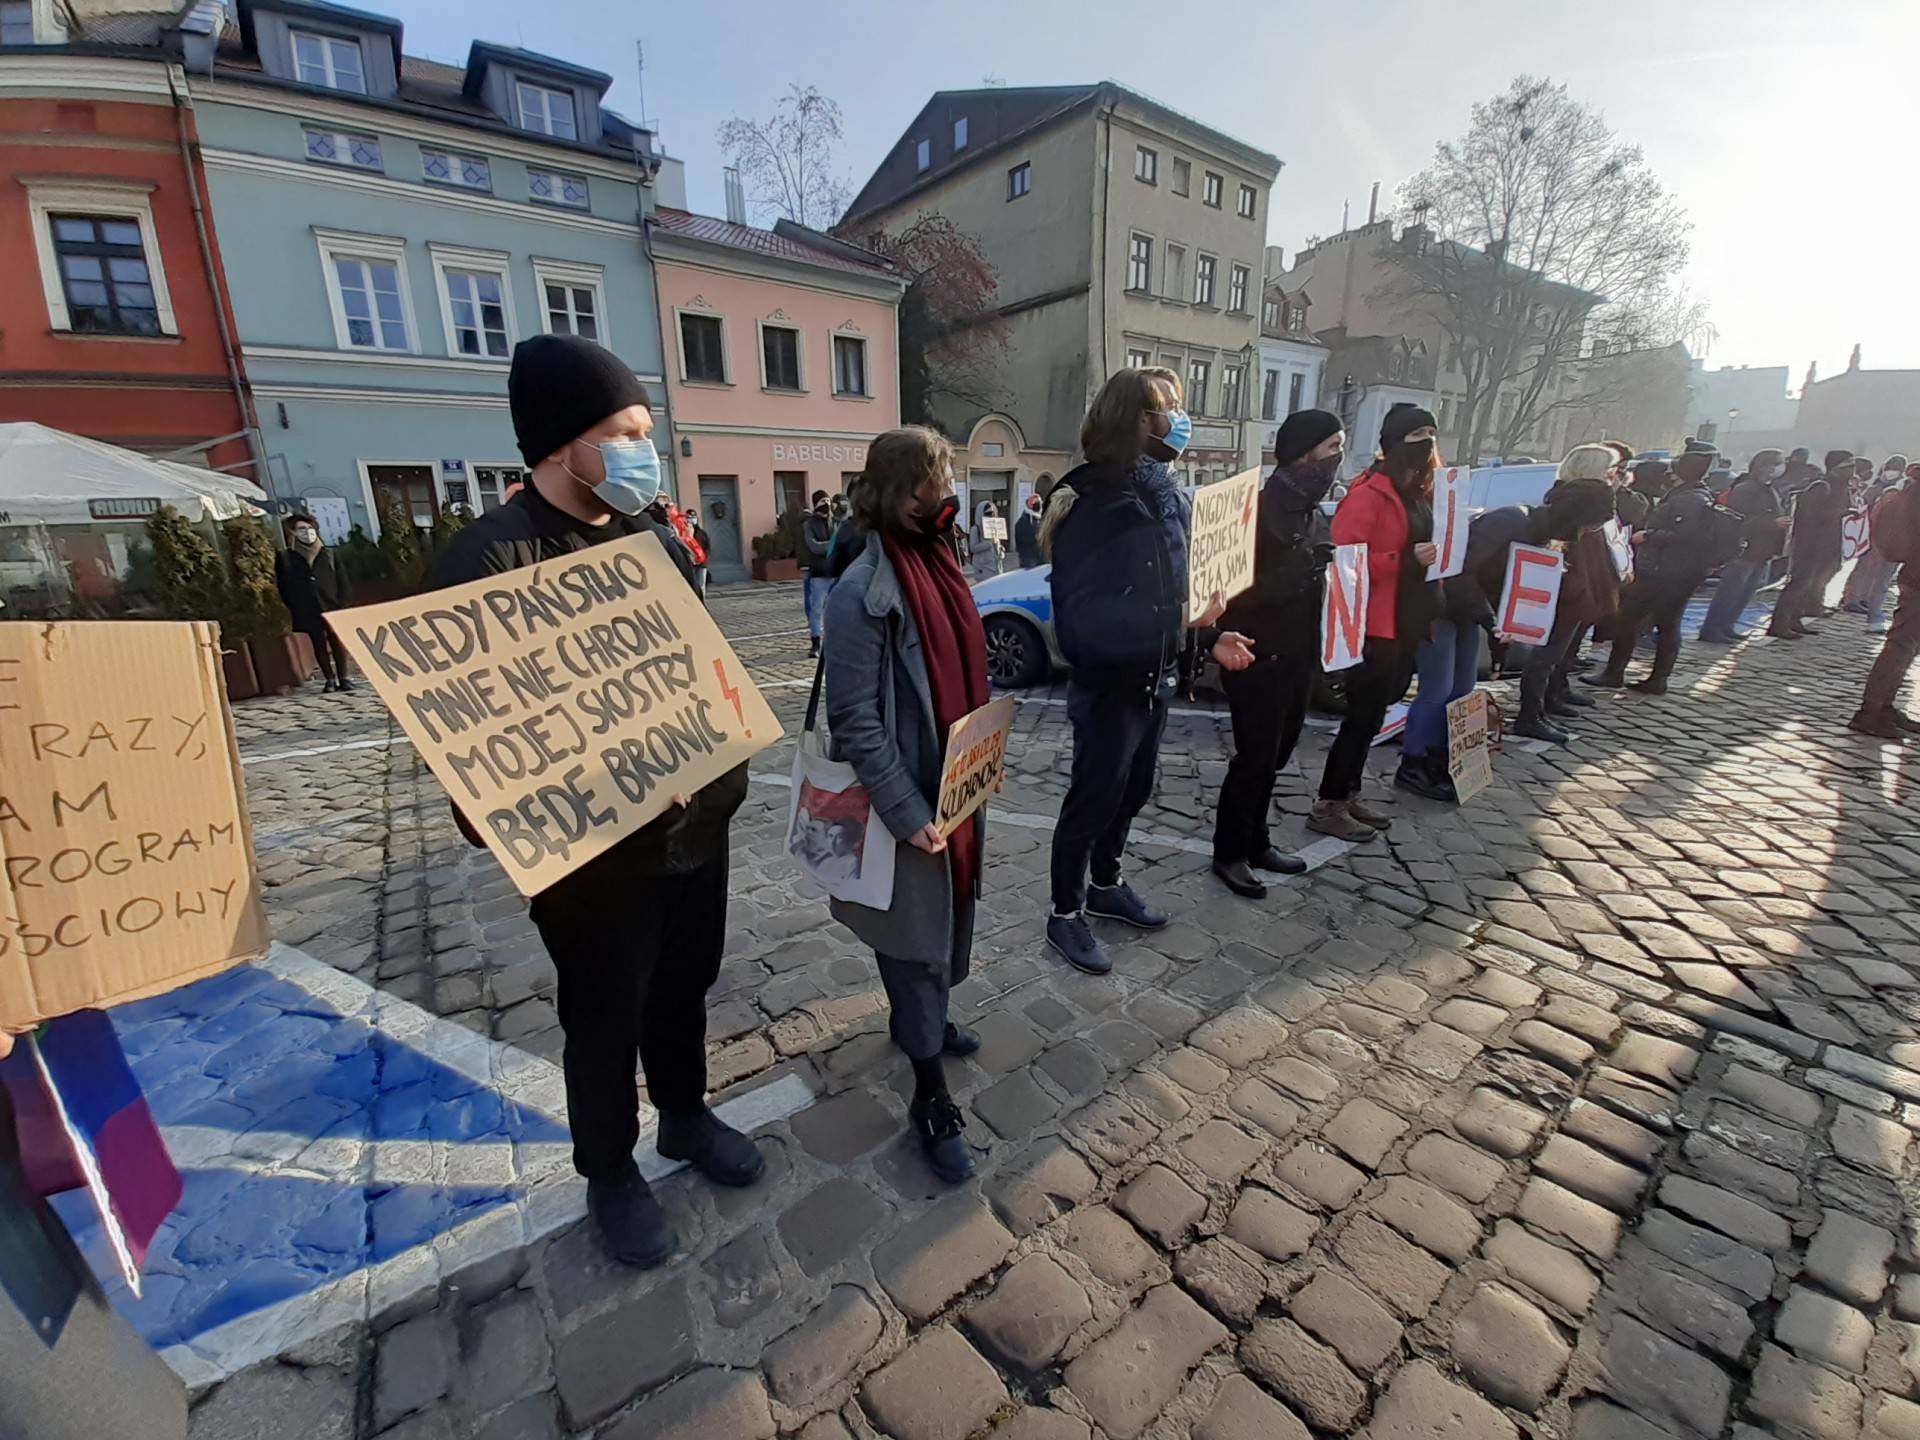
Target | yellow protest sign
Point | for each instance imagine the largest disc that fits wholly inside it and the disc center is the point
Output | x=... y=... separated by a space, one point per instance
x=563 y=705
x=125 y=852
x=1469 y=762
x=976 y=761
x=1220 y=542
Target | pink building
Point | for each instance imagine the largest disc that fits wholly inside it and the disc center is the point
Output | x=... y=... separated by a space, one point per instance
x=782 y=360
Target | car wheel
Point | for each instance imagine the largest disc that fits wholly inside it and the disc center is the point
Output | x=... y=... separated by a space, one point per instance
x=1016 y=655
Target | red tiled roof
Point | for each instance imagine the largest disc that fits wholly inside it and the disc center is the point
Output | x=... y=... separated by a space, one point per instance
x=764 y=242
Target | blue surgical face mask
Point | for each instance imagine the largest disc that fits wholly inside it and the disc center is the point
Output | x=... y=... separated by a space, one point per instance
x=1180 y=433
x=633 y=476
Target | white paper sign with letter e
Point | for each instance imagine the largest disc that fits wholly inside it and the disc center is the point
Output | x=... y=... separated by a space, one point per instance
x=1856 y=536
x=1220 y=542
x=1531 y=593
x=1620 y=547
x=1450 y=521
x=1343 y=610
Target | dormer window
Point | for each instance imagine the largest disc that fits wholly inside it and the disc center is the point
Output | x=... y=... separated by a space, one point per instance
x=546 y=111
x=329 y=61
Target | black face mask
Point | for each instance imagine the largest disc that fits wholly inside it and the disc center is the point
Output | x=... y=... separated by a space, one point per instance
x=1413 y=457
x=1311 y=479
x=941 y=520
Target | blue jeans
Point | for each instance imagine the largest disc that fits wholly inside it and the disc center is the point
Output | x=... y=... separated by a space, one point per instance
x=1449 y=664
x=1739 y=583
x=816 y=588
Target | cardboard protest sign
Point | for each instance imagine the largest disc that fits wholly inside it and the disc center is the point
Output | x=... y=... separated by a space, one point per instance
x=1531 y=593
x=1620 y=548
x=564 y=705
x=1343 y=609
x=975 y=762
x=1450 y=520
x=1856 y=535
x=994 y=527
x=126 y=857
x=1468 y=761
x=1220 y=540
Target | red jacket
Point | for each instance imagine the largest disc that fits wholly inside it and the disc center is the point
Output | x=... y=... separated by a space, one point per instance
x=1373 y=515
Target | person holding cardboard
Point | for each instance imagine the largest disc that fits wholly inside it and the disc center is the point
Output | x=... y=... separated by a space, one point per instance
x=906 y=657
x=636 y=933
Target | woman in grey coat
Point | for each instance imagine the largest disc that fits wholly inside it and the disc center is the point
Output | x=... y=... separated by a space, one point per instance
x=905 y=658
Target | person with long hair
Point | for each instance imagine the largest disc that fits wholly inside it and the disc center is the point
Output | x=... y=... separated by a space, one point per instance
x=905 y=658
x=1390 y=511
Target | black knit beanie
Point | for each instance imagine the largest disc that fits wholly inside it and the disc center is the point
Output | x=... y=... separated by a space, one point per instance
x=560 y=387
x=1402 y=420
x=1301 y=431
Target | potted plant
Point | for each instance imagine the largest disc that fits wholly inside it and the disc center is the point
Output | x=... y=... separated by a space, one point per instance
x=190 y=582
x=369 y=580
x=773 y=556
x=256 y=617
x=400 y=545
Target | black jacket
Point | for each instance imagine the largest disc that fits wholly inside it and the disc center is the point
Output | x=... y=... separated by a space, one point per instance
x=1280 y=612
x=816 y=540
x=1472 y=595
x=1758 y=503
x=308 y=588
x=1818 y=512
x=1688 y=537
x=1117 y=610
x=527 y=530
x=849 y=543
x=1026 y=540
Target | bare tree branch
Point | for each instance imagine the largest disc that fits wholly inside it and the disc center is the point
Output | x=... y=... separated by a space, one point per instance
x=785 y=162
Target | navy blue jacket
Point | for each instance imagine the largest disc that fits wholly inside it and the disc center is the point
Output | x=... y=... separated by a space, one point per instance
x=1118 y=607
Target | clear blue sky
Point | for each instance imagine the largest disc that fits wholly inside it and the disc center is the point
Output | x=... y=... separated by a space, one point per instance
x=1787 y=126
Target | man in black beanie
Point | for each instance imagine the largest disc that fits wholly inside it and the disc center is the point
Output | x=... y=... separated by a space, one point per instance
x=1280 y=618
x=636 y=933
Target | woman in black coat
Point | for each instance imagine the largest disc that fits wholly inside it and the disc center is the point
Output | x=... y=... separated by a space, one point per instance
x=310 y=584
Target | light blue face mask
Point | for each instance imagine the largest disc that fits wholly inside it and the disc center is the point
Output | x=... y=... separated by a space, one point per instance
x=633 y=476
x=1180 y=434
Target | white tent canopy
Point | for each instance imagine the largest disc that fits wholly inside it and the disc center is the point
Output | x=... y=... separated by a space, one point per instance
x=48 y=477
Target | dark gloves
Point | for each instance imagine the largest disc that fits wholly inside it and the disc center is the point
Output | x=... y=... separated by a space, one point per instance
x=1323 y=553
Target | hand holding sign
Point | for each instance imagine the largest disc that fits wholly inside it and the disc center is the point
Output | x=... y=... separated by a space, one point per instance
x=1343 y=609
x=1856 y=535
x=1449 y=523
x=974 y=766
x=1531 y=594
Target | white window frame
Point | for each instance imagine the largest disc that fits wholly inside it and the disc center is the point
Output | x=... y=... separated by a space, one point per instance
x=345 y=245
x=1233 y=382
x=558 y=202
x=1213 y=180
x=960 y=134
x=1134 y=237
x=726 y=345
x=1240 y=278
x=1213 y=279
x=799 y=355
x=327 y=42
x=548 y=94
x=1146 y=164
x=1270 y=394
x=578 y=276
x=455 y=159
x=1203 y=388
x=129 y=201
x=866 y=364
x=473 y=469
x=486 y=262
x=1247 y=205
x=343 y=140
x=1271 y=314
x=1139 y=359
x=1024 y=168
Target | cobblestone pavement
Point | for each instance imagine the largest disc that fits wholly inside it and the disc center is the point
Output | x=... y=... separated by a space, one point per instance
x=1584 y=1111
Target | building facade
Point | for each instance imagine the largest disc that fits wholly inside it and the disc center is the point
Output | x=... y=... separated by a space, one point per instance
x=114 y=322
x=1292 y=363
x=392 y=228
x=1875 y=413
x=783 y=363
x=1122 y=233
x=1741 y=408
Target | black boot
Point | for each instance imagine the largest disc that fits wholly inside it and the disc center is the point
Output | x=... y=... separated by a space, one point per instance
x=1235 y=875
x=711 y=1146
x=942 y=1132
x=959 y=1040
x=813 y=646
x=630 y=1220
x=1535 y=726
x=1278 y=862
x=1426 y=776
x=1654 y=684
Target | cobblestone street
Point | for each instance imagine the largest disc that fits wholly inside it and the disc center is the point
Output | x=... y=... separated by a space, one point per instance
x=1584 y=1111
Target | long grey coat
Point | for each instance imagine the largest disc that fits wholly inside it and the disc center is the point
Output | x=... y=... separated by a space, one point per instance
x=880 y=713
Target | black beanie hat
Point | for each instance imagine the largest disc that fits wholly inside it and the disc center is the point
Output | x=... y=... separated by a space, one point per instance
x=1402 y=420
x=1301 y=431
x=560 y=387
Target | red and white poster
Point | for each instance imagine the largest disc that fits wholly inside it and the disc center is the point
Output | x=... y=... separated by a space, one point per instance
x=1531 y=593
x=1856 y=535
x=1450 y=521
x=1343 y=610
x=1620 y=547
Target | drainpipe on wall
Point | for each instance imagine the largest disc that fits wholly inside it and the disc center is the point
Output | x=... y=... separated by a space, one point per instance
x=247 y=415
x=1106 y=219
x=666 y=358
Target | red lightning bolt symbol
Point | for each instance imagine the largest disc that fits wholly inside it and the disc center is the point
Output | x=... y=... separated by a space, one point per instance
x=733 y=694
x=1246 y=513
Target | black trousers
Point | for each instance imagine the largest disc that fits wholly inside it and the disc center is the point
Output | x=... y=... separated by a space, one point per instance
x=1800 y=597
x=1372 y=686
x=635 y=960
x=1547 y=669
x=1116 y=745
x=328 y=650
x=1269 y=704
x=1649 y=603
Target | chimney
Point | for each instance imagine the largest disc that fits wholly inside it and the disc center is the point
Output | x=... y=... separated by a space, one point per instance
x=1346 y=215
x=736 y=196
x=1373 y=204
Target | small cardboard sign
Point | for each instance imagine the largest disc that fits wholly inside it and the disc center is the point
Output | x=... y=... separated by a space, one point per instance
x=126 y=855
x=1856 y=535
x=1469 y=762
x=1531 y=593
x=1620 y=548
x=1450 y=521
x=994 y=527
x=975 y=764
x=1343 y=609
x=1220 y=541
x=563 y=705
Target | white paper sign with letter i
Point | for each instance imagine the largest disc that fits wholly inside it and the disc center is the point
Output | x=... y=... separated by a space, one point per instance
x=1449 y=521
x=1343 y=609
x=1531 y=593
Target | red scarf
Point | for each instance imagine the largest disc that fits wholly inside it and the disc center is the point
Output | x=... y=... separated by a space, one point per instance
x=955 y=647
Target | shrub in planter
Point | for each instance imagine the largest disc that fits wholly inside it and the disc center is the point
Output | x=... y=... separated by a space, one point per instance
x=255 y=615
x=449 y=523
x=773 y=556
x=400 y=545
x=189 y=576
x=368 y=575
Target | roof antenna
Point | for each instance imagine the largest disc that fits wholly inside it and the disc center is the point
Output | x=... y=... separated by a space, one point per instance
x=993 y=82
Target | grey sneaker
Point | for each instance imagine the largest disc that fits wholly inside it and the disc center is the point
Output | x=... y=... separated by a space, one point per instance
x=1072 y=937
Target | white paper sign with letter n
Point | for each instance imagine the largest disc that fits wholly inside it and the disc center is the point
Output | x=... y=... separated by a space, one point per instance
x=564 y=705
x=1343 y=609
x=1531 y=593
x=1220 y=543
x=975 y=763
x=1450 y=521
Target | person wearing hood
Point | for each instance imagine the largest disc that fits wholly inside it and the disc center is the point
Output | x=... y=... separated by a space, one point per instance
x=1280 y=617
x=1687 y=538
x=1813 y=547
x=1757 y=502
x=310 y=583
x=1026 y=534
x=636 y=933
x=1389 y=509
